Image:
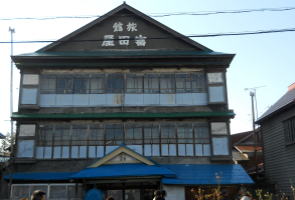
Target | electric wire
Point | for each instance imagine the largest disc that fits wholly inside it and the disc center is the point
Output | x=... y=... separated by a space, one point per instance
x=199 y=13
x=162 y=38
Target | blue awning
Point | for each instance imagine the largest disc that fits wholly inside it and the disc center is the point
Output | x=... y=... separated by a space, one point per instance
x=178 y=174
x=207 y=174
x=123 y=170
x=40 y=176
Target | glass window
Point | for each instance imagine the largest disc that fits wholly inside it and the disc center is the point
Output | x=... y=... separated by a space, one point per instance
x=167 y=83
x=97 y=84
x=183 y=83
x=64 y=85
x=81 y=85
x=29 y=96
x=62 y=135
x=201 y=134
x=115 y=83
x=134 y=83
x=168 y=134
x=48 y=84
x=185 y=134
x=79 y=135
x=30 y=79
x=151 y=134
x=220 y=145
x=114 y=134
x=198 y=82
x=216 y=94
x=151 y=83
x=27 y=130
x=133 y=134
x=289 y=131
x=215 y=77
x=96 y=135
x=45 y=136
x=219 y=128
x=25 y=148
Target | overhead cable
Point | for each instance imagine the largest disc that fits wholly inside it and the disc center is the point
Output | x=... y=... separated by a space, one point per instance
x=161 y=38
x=198 y=13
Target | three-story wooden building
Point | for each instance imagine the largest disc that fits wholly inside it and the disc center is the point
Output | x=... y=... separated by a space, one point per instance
x=125 y=104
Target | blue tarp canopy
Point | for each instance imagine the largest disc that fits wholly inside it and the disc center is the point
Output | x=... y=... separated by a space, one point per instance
x=123 y=170
x=178 y=174
x=207 y=174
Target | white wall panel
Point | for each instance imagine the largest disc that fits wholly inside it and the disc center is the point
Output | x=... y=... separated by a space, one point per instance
x=80 y=100
x=64 y=99
x=134 y=99
x=167 y=99
x=151 y=99
x=97 y=99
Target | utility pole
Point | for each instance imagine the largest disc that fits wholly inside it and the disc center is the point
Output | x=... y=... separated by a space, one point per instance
x=254 y=117
x=10 y=168
x=12 y=31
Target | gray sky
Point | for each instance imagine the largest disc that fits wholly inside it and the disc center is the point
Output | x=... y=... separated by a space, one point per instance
x=261 y=60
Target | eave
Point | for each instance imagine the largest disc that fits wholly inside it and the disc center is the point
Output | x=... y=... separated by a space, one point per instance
x=119 y=115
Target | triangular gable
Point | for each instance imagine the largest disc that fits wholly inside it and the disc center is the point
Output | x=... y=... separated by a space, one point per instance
x=124 y=28
x=122 y=155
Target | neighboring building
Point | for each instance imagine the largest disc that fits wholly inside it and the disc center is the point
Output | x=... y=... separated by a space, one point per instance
x=125 y=104
x=278 y=132
x=247 y=151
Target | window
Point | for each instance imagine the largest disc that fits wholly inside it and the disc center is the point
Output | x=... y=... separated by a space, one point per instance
x=97 y=84
x=115 y=83
x=183 y=83
x=198 y=82
x=81 y=85
x=79 y=135
x=289 y=131
x=114 y=134
x=25 y=148
x=167 y=83
x=202 y=142
x=64 y=85
x=151 y=83
x=96 y=135
x=133 y=134
x=219 y=132
x=134 y=83
x=30 y=79
x=27 y=130
x=48 y=85
x=216 y=88
x=61 y=141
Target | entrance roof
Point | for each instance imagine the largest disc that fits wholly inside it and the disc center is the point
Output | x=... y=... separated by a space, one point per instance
x=207 y=174
x=179 y=174
x=123 y=170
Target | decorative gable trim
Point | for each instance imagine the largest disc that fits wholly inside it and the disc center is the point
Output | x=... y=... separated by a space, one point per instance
x=119 y=151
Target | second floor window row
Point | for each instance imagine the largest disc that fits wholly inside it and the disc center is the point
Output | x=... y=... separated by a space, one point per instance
x=123 y=83
x=116 y=134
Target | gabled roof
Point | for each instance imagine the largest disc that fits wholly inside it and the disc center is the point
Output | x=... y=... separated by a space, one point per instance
x=123 y=153
x=283 y=103
x=121 y=9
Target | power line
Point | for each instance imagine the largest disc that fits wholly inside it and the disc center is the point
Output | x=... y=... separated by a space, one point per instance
x=199 y=13
x=160 y=38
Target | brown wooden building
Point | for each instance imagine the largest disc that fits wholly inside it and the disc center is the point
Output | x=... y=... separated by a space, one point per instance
x=127 y=105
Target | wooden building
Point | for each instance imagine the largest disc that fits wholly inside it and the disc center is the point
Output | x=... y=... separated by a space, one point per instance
x=127 y=105
x=278 y=133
